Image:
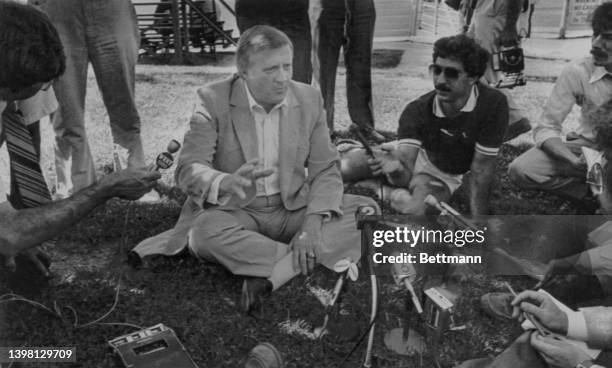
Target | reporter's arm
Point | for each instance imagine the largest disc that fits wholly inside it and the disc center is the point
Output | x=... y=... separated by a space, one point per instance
x=26 y=228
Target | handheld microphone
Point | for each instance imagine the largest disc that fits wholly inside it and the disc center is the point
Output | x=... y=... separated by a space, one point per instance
x=165 y=159
x=354 y=129
x=446 y=209
x=405 y=273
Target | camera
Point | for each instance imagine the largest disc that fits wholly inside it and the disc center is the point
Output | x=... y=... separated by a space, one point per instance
x=511 y=62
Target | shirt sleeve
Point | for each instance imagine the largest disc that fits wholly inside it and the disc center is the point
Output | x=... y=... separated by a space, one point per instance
x=409 y=131
x=493 y=127
x=560 y=102
x=576 y=326
x=597 y=262
x=213 y=193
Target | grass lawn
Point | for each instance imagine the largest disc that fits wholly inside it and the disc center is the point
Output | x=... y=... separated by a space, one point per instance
x=199 y=300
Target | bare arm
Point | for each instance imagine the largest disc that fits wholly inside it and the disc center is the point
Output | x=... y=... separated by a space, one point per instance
x=482 y=173
x=23 y=229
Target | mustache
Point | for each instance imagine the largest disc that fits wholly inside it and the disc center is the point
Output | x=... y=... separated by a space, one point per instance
x=442 y=87
x=599 y=52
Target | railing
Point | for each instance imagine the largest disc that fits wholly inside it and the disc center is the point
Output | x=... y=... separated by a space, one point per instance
x=182 y=22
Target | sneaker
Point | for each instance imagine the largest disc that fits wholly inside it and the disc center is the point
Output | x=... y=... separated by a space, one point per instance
x=497 y=305
x=264 y=355
x=253 y=290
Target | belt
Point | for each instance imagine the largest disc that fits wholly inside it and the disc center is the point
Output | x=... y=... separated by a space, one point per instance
x=266 y=201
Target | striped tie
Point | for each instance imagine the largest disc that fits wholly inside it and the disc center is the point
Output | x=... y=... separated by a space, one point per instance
x=30 y=185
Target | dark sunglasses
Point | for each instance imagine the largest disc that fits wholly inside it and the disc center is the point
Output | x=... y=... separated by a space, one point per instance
x=449 y=73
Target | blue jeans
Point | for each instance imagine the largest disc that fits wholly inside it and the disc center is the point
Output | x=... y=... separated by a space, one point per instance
x=291 y=17
x=357 y=49
x=105 y=33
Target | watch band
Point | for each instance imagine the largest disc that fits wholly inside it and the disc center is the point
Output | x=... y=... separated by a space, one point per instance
x=585 y=364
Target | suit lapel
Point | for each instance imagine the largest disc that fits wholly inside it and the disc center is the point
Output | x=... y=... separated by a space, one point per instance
x=243 y=121
x=288 y=145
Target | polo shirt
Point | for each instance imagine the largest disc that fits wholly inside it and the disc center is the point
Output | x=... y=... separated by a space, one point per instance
x=450 y=142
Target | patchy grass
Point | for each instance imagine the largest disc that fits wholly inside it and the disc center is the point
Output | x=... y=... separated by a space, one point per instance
x=198 y=300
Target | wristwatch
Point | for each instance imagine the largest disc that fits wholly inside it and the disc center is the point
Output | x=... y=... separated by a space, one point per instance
x=585 y=364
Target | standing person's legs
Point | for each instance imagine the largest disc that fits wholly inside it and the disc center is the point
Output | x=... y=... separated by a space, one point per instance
x=486 y=30
x=249 y=14
x=358 y=60
x=113 y=38
x=73 y=162
x=331 y=37
x=294 y=21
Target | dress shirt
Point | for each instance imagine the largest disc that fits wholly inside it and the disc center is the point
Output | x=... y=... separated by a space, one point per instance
x=581 y=83
x=267 y=126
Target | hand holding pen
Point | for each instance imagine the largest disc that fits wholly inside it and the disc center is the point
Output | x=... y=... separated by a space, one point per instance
x=540 y=310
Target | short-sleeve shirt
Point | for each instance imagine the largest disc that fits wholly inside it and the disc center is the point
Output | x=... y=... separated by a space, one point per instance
x=450 y=142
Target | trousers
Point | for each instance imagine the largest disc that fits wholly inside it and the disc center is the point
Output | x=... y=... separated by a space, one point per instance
x=358 y=22
x=535 y=169
x=105 y=33
x=246 y=240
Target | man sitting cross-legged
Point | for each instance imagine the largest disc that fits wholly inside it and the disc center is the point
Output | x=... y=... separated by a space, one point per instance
x=265 y=193
x=443 y=134
x=557 y=164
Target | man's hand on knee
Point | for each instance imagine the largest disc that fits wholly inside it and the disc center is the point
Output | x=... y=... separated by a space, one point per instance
x=306 y=244
x=238 y=182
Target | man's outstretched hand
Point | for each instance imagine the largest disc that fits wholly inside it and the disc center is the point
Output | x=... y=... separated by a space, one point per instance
x=237 y=183
x=130 y=183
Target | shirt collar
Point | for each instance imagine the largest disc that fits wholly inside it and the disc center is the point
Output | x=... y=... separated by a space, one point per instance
x=599 y=73
x=255 y=105
x=469 y=106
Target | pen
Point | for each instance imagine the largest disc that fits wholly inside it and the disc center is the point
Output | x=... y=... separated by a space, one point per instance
x=531 y=319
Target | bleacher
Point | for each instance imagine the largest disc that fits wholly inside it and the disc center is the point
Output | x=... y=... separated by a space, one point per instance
x=182 y=26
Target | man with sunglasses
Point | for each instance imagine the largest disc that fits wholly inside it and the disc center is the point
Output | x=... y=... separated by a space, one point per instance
x=443 y=134
x=555 y=164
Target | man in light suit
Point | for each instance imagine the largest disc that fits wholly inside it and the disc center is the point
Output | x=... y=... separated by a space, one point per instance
x=265 y=192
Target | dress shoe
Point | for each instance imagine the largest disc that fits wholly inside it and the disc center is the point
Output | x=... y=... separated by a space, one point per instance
x=264 y=355
x=253 y=290
x=497 y=305
x=517 y=128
